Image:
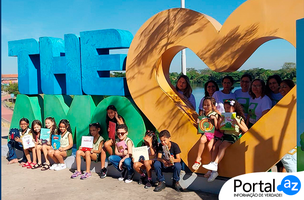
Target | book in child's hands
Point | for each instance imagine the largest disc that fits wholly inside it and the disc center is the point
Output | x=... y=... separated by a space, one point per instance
x=227 y=121
x=14 y=132
x=112 y=130
x=121 y=146
x=87 y=143
x=140 y=153
x=56 y=141
x=45 y=135
x=27 y=141
x=205 y=125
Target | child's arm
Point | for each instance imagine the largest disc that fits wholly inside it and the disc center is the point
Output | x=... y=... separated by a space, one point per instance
x=130 y=146
x=219 y=124
x=178 y=158
x=214 y=120
x=119 y=119
x=242 y=125
x=70 y=143
x=99 y=148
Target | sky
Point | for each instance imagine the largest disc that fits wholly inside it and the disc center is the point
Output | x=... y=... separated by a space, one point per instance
x=37 y=18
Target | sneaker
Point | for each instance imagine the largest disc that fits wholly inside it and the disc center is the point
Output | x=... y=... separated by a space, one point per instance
x=76 y=174
x=60 y=167
x=123 y=174
x=128 y=181
x=121 y=178
x=103 y=172
x=196 y=165
x=160 y=187
x=148 y=184
x=141 y=180
x=86 y=175
x=207 y=175
x=211 y=166
x=53 y=166
x=213 y=176
x=177 y=186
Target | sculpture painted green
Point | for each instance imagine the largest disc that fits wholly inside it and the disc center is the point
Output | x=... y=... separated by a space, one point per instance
x=80 y=111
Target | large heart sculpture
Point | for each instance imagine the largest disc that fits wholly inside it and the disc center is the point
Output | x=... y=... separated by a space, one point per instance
x=222 y=49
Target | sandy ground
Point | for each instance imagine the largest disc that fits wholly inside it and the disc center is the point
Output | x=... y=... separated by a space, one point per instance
x=29 y=184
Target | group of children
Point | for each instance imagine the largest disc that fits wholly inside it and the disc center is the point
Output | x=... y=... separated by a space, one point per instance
x=162 y=157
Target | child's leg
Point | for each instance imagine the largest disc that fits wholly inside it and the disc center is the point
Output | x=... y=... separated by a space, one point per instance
x=128 y=164
x=108 y=146
x=89 y=157
x=59 y=155
x=148 y=165
x=158 y=166
x=45 y=149
x=103 y=158
x=38 y=150
x=34 y=155
x=51 y=153
x=221 y=152
x=201 y=147
x=12 y=157
x=138 y=167
x=210 y=146
x=79 y=154
x=115 y=159
x=215 y=149
x=176 y=171
x=27 y=155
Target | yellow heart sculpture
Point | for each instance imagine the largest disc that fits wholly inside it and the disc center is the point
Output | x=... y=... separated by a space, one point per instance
x=222 y=49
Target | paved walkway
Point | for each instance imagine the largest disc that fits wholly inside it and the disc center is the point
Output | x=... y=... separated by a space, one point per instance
x=29 y=184
x=6 y=113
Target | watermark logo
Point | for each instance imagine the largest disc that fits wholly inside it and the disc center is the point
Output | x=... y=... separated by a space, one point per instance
x=290 y=185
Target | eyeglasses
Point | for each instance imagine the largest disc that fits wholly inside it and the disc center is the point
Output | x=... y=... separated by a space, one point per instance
x=212 y=86
x=256 y=86
x=121 y=133
x=283 y=86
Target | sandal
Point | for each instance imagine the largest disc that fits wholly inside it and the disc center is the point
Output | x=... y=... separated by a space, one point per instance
x=31 y=165
x=45 y=167
x=36 y=166
x=27 y=164
x=196 y=165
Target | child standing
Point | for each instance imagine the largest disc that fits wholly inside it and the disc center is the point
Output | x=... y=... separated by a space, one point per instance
x=89 y=155
x=112 y=116
x=150 y=140
x=208 y=111
x=229 y=137
x=16 y=143
x=50 y=124
x=122 y=159
x=168 y=159
x=66 y=144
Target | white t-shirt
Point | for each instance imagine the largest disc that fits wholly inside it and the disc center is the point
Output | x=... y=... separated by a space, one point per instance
x=275 y=98
x=243 y=98
x=220 y=97
x=257 y=106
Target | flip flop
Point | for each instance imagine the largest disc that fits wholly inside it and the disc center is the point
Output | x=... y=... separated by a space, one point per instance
x=26 y=164
x=36 y=166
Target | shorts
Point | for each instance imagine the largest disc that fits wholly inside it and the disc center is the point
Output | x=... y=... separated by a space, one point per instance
x=209 y=136
x=230 y=138
x=69 y=152
x=218 y=134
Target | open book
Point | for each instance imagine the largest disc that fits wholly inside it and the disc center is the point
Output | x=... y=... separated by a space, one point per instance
x=227 y=122
x=205 y=125
x=45 y=135
x=140 y=153
x=87 y=143
x=56 y=141
x=112 y=127
x=27 y=141
x=121 y=146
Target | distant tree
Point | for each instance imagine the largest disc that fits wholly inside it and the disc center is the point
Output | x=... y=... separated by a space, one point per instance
x=13 y=89
x=302 y=141
x=118 y=74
